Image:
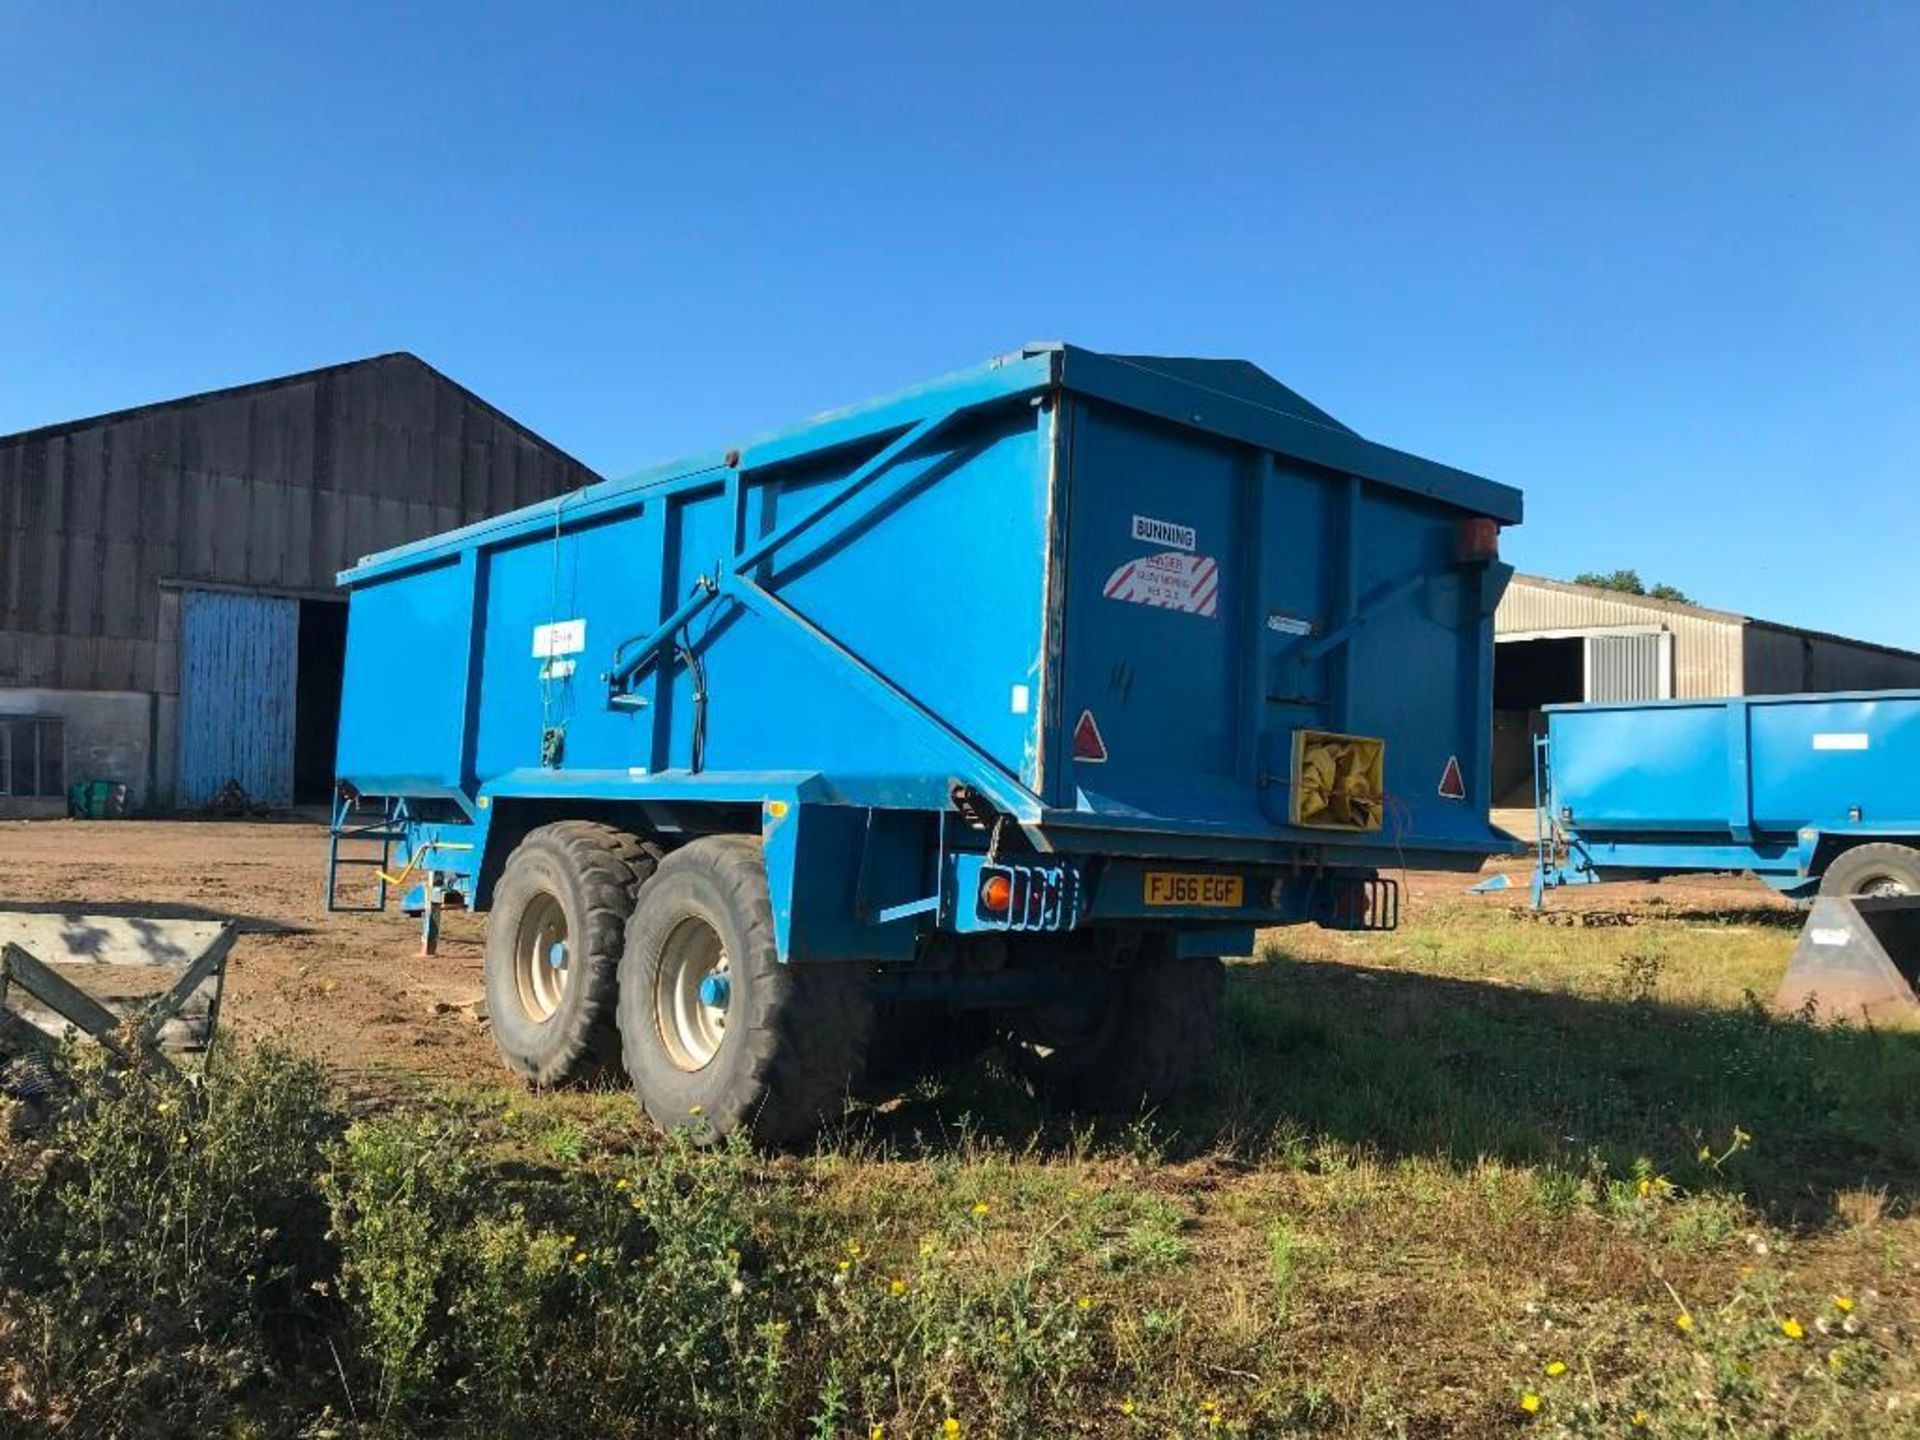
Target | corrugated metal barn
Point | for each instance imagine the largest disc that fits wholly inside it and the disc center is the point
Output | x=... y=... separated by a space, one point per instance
x=168 y=619
x=1558 y=643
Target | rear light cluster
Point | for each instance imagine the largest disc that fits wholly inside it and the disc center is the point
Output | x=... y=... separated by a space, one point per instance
x=996 y=894
x=1029 y=897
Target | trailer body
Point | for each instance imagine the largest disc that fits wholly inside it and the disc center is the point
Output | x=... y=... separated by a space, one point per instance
x=1779 y=785
x=1072 y=620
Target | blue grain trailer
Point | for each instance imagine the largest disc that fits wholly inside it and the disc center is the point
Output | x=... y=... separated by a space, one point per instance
x=1005 y=705
x=1809 y=792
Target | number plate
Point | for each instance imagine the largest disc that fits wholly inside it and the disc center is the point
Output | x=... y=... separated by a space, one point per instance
x=1171 y=888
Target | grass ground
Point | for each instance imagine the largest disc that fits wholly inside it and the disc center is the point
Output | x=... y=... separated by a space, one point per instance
x=1488 y=1175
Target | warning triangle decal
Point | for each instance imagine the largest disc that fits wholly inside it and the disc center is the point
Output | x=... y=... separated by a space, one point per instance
x=1087 y=744
x=1452 y=785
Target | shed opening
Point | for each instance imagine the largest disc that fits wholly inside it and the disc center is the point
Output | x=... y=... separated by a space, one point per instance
x=1527 y=676
x=316 y=699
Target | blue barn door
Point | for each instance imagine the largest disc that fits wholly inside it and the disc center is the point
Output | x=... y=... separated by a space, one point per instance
x=238 y=656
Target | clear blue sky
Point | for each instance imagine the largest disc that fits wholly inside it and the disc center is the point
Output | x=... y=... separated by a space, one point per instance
x=1658 y=265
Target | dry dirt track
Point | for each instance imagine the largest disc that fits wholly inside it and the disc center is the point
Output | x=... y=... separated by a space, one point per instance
x=354 y=989
x=351 y=988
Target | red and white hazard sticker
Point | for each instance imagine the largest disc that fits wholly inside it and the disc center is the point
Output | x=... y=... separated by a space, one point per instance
x=1168 y=580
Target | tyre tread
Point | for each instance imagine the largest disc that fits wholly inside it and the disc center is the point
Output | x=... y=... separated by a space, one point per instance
x=610 y=866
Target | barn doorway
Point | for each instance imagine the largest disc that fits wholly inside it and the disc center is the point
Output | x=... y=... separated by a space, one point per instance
x=1531 y=672
x=316 y=699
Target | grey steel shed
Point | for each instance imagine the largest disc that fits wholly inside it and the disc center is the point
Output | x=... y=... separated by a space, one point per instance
x=168 y=619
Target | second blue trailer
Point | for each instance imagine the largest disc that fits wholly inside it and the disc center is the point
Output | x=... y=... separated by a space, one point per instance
x=1811 y=793
x=1003 y=705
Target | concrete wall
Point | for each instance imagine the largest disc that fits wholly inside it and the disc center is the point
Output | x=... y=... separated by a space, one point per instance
x=108 y=736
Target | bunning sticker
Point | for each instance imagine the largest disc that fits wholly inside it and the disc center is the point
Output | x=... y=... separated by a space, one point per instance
x=1087 y=744
x=562 y=637
x=1164 y=532
x=1168 y=581
x=1453 y=785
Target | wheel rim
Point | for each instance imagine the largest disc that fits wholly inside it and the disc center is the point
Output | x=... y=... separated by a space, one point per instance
x=540 y=957
x=1883 y=887
x=692 y=993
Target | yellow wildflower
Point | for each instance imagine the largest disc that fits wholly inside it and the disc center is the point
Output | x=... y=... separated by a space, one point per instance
x=1126 y=1407
x=1638 y=1419
x=982 y=1208
x=897 y=1287
x=1790 y=1328
x=1683 y=1321
x=949 y=1426
x=1530 y=1403
x=621 y=1183
x=878 y=1432
x=580 y=1257
x=693 y=1110
x=1085 y=1302
x=1842 y=1304
x=1556 y=1367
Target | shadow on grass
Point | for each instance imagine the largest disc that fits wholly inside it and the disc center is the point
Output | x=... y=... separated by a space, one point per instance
x=1457 y=1071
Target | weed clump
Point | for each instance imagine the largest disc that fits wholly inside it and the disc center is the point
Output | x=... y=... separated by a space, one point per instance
x=154 y=1242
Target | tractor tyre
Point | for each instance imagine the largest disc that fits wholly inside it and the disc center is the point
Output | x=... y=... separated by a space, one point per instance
x=1146 y=1038
x=719 y=1035
x=553 y=948
x=1877 y=870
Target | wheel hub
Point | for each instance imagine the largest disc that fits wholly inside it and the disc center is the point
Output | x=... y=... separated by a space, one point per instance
x=692 y=993
x=540 y=954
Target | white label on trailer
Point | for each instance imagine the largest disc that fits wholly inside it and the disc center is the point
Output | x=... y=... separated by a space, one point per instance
x=562 y=637
x=1827 y=937
x=1164 y=532
x=1168 y=581
x=1289 y=624
x=1021 y=700
x=1842 y=740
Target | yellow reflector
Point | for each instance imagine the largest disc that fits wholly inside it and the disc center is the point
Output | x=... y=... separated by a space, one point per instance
x=776 y=809
x=1339 y=781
